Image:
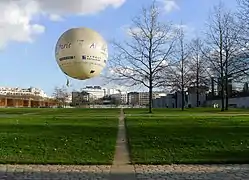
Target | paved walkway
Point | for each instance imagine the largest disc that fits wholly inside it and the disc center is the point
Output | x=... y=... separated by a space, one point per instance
x=53 y=172
x=165 y=172
x=122 y=170
x=193 y=172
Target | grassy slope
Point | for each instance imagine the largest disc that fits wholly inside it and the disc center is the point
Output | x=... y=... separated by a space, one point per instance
x=58 y=136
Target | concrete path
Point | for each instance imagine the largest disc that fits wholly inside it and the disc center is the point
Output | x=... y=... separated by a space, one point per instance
x=165 y=172
x=121 y=168
x=193 y=172
x=53 y=172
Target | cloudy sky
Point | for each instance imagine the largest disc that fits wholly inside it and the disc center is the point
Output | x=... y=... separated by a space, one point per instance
x=29 y=30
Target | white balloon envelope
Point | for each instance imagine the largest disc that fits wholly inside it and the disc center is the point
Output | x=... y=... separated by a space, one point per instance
x=81 y=53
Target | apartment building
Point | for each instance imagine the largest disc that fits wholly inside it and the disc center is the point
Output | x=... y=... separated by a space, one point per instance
x=24 y=97
x=144 y=97
x=96 y=92
x=121 y=96
x=9 y=91
x=133 y=98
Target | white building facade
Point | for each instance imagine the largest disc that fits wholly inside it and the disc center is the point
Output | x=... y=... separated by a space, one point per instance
x=9 y=91
x=96 y=92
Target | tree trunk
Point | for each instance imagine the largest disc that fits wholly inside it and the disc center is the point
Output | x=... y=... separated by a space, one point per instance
x=222 y=92
x=183 y=96
x=221 y=69
x=197 y=96
x=226 y=82
x=227 y=95
x=182 y=84
x=183 y=99
x=197 y=84
x=150 y=97
x=176 y=100
x=212 y=84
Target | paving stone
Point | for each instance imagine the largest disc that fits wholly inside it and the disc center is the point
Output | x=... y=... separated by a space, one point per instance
x=16 y=172
x=143 y=172
x=198 y=172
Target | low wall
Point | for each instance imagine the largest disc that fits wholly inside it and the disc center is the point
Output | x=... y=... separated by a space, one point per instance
x=240 y=102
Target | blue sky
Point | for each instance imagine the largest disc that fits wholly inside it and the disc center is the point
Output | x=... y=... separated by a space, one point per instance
x=30 y=29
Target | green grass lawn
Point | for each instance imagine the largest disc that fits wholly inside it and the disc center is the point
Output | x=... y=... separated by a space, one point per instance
x=58 y=136
x=190 y=137
x=187 y=111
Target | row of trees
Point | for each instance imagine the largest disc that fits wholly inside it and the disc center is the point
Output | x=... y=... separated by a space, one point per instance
x=159 y=55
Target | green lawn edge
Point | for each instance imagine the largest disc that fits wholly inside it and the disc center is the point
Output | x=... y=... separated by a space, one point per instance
x=133 y=160
x=59 y=116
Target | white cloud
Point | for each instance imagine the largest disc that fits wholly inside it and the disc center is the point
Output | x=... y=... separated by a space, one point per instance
x=80 y=7
x=132 y=31
x=18 y=20
x=135 y=31
x=190 y=31
x=184 y=27
x=55 y=17
x=169 y=5
x=15 y=21
x=122 y=70
x=138 y=32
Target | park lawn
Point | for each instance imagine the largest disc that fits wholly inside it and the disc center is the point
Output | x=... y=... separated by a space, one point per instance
x=46 y=137
x=188 y=139
x=176 y=112
x=61 y=111
x=173 y=111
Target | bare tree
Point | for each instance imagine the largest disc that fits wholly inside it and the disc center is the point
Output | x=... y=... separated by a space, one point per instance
x=61 y=95
x=222 y=48
x=231 y=50
x=178 y=75
x=243 y=35
x=198 y=68
x=142 y=59
x=243 y=17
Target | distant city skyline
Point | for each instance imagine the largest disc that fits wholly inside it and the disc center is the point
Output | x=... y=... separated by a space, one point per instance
x=30 y=30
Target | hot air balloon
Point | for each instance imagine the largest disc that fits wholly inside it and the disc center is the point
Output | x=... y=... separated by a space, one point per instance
x=81 y=53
